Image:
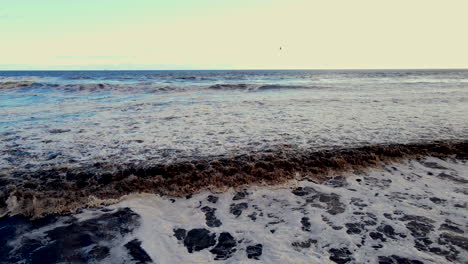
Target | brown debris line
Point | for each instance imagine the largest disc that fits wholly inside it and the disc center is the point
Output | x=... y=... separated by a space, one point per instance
x=61 y=190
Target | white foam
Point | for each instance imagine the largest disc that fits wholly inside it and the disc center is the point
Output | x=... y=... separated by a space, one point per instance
x=148 y=127
x=408 y=192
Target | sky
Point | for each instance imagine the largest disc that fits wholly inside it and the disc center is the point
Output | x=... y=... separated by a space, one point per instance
x=232 y=34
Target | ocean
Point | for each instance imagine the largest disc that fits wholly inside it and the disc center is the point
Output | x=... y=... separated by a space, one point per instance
x=272 y=166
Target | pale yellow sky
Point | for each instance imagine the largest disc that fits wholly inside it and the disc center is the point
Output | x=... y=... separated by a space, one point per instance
x=208 y=34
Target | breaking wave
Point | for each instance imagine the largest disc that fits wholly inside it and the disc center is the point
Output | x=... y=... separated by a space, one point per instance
x=63 y=189
x=16 y=84
x=146 y=86
x=88 y=87
x=257 y=87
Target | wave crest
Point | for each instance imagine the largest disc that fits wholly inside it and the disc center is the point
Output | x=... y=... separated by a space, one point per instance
x=64 y=189
x=148 y=86
x=257 y=87
x=16 y=84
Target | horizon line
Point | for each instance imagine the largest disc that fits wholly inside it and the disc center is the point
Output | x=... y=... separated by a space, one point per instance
x=247 y=69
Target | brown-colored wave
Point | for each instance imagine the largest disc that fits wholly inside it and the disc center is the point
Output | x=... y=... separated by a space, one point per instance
x=60 y=190
x=15 y=84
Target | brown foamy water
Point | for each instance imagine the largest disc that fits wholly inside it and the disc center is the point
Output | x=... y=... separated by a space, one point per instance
x=64 y=189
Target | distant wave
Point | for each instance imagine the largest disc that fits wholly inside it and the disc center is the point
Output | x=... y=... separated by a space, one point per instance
x=15 y=84
x=193 y=78
x=257 y=87
x=147 y=86
x=62 y=189
x=241 y=86
x=153 y=87
x=122 y=87
x=88 y=87
x=275 y=86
